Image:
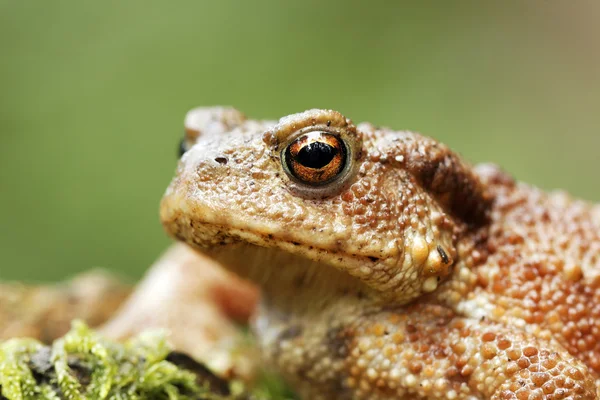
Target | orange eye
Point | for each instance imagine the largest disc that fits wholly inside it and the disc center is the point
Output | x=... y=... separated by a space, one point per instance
x=315 y=158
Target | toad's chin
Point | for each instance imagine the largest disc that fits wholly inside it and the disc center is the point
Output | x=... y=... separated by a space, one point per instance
x=280 y=274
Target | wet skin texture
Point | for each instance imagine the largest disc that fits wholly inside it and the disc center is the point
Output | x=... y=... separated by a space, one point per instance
x=389 y=267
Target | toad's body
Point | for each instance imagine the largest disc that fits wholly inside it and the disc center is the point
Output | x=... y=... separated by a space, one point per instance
x=391 y=269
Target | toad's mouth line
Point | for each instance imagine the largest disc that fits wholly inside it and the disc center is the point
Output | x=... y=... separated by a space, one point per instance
x=222 y=237
x=220 y=241
x=275 y=264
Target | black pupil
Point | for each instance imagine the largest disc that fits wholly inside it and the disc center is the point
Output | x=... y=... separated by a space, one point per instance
x=316 y=155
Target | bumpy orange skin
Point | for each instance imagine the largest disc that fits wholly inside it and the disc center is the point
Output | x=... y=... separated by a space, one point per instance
x=414 y=277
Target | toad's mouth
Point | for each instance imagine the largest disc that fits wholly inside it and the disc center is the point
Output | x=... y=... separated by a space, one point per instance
x=206 y=226
x=218 y=240
x=277 y=266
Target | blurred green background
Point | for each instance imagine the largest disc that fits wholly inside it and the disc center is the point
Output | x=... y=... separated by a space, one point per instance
x=93 y=95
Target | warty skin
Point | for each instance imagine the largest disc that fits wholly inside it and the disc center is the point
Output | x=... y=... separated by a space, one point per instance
x=409 y=275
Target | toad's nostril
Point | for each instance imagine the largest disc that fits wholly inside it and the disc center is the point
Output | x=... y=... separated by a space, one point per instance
x=221 y=160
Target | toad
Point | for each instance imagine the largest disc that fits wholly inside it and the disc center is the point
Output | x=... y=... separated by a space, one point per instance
x=389 y=267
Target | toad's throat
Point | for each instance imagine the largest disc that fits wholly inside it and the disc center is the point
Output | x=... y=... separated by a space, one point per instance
x=281 y=274
x=275 y=264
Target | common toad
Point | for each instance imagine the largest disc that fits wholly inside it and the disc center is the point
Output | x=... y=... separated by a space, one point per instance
x=389 y=267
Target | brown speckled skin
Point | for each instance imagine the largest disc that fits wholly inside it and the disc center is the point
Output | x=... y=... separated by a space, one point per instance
x=45 y=312
x=414 y=276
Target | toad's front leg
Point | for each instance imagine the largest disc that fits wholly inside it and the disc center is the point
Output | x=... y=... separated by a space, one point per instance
x=197 y=302
x=427 y=352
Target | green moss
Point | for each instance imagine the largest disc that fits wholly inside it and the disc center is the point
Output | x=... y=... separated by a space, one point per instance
x=82 y=365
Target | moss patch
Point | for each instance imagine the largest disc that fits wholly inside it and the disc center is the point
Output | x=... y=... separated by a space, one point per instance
x=82 y=365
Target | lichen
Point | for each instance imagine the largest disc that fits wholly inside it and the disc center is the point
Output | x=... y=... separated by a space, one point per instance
x=82 y=365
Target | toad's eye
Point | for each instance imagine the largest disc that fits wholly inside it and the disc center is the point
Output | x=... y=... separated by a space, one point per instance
x=315 y=158
x=182 y=147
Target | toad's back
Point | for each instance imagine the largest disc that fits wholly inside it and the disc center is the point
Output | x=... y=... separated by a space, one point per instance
x=541 y=269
